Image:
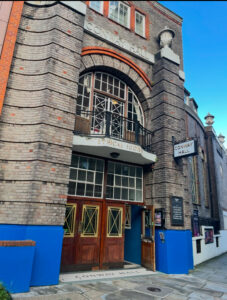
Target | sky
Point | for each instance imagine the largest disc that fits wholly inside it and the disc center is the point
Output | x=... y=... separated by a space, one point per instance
x=205 y=56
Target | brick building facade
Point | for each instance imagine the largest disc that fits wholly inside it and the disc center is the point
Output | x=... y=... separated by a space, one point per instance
x=93 y=102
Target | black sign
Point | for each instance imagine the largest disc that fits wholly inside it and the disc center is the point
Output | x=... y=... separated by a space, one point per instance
x=177 y=215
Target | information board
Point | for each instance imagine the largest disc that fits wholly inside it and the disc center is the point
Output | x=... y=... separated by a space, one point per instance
x=177 y=214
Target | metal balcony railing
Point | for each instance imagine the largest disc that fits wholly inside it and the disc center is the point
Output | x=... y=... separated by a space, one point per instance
x=107 y=124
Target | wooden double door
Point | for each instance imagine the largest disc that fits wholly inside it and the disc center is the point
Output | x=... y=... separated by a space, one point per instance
x=95 y=237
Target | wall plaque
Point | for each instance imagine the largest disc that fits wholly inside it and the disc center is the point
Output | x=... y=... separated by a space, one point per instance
x=177 y=214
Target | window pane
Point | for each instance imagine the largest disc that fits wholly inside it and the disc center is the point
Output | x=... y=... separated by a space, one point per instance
x=117 y=193
x=83 y=163
x=140 y=22
x=89 y=189
x=100 y=165
x=125 y=181
x=118 y=169
x=98 y=190
x=91 y=163
x=72 y=186
x=131 y=195
x=90 y=176
x=139 y=172
x=139 y=196
x=118 y=180
x=98 y=178
x=125 y=170
x=110 y=179
x=114 y=222
x=73 y=174
x=80 y=189
x=110 y=167
x=81 y=175
x=96 y=5
x=90 y=221
x=131 y=182
x=74 y=162
x=125 y=194
x=139 y=184
x=69 y=220
x=109 y=192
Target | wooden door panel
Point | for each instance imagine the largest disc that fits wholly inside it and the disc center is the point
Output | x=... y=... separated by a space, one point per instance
x=113 y=246
x=88 y=241
x=148 y=239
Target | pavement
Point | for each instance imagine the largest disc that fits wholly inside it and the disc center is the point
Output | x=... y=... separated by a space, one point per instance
x=207 y=281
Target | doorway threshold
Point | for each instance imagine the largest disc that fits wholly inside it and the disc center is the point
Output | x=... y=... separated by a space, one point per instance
x=103 y=274
x=130 y=265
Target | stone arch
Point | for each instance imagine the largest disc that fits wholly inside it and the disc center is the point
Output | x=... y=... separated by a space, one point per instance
x=95 y=58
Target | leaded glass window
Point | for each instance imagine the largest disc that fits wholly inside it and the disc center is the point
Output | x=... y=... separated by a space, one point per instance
x=134 y=110
x=86 y=176
x=194 y=184
x=90 y=219
x=69 y=225
x=114 y=227
x=84 y=92
x=110 y=84
x=124 y=182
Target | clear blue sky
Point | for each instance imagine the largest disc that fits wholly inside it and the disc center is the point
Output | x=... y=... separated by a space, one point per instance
x=205 y=56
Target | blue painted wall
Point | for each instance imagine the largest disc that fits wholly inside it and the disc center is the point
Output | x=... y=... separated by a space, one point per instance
x=16 y=267
x=133 y=237
x=47 y=257
x=174 y=255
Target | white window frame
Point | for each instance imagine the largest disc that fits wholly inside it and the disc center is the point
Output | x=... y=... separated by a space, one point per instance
x=144 y=18
x=129 y=12
x=101 y=7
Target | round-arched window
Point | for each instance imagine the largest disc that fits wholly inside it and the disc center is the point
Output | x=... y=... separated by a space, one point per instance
x=99 y=92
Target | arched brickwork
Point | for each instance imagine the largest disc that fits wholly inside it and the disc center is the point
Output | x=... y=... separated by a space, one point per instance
x=121 y=68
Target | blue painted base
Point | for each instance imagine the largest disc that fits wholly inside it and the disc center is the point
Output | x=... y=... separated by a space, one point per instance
x=47 y=258
x=16 y=267
x=174 y=255
x=133 y=237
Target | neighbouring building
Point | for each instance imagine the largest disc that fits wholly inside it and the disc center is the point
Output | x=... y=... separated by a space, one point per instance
x=93 y=108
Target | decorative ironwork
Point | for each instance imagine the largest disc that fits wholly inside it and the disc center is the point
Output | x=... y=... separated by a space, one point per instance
x=111 y=124
x=69 y=225
x=90 y=221
x=114 y=222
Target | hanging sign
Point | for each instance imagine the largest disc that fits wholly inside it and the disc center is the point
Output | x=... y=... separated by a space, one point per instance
x=186 y=148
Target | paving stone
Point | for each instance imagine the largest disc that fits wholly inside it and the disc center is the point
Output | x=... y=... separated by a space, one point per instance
x=158 y=290
x=217 y=287
x=125 y=284
x=128 y=294
x=200 y=296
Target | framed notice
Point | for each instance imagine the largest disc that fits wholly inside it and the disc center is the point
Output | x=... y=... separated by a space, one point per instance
x=177 y=214
x=209 y=235
x=158 y=218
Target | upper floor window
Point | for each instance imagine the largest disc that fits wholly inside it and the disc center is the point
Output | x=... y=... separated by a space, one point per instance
x=97 y=5
x=139 y=24
x=101 y=92
x=194 y=182
x=120 y=13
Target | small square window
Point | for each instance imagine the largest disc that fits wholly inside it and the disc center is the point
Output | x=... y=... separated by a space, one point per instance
x=140 y=24
x=97 y=6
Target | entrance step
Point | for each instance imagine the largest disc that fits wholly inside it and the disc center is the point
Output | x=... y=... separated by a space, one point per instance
x=86 y=276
